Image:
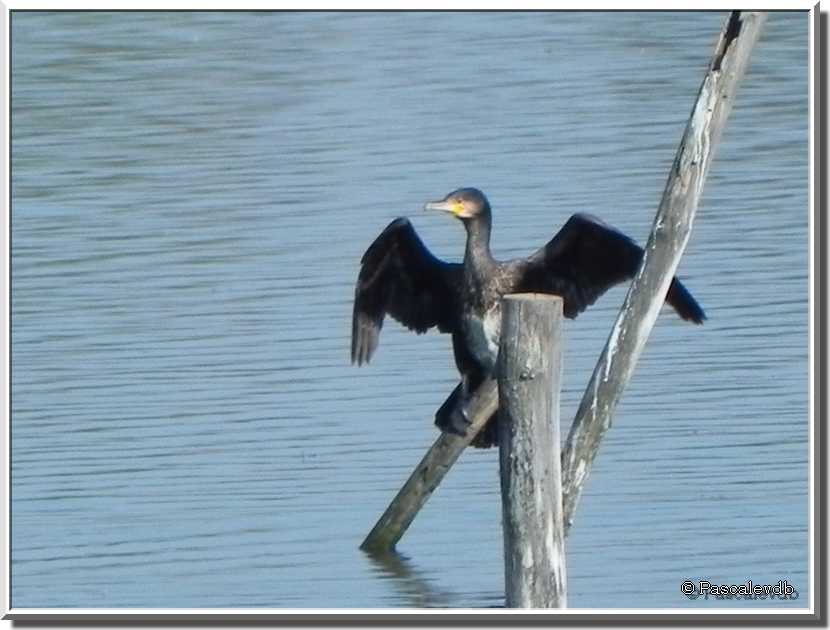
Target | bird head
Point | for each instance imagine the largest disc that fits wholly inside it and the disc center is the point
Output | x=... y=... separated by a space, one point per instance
x=464 y=203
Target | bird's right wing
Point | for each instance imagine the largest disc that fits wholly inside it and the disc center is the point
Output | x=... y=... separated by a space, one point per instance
x=401 y=277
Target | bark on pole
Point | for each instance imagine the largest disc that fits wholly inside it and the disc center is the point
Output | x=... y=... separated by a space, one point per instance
x=669 y=235
x=529 y=374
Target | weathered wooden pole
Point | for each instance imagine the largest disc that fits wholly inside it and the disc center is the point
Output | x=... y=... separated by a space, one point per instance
x=429 y=473
x=669 y=235
x=529 y=372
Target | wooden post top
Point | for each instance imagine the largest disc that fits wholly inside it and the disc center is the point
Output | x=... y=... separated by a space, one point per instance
x=532 y=296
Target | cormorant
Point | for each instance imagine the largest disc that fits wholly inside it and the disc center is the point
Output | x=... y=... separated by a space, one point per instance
x=399 y=276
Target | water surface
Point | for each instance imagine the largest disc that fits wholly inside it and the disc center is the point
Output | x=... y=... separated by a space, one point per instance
x=191 y=195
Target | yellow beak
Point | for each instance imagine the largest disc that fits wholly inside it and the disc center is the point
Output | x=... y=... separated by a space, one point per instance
x=454 y=207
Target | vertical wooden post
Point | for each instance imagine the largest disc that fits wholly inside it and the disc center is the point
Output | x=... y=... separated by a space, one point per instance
x=529 y=370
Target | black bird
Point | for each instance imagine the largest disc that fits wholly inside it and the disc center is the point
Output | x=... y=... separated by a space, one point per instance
x=399 y=276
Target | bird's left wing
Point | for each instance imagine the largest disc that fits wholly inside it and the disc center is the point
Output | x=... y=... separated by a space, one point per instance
x=400 y=276
x=585 y=259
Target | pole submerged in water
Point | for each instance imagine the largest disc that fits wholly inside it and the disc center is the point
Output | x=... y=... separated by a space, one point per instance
x=428 y=474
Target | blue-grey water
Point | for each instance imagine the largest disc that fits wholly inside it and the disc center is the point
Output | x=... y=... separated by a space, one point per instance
x=191 y=194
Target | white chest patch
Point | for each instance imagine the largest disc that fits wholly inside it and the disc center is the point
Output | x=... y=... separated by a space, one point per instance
x=483 y=337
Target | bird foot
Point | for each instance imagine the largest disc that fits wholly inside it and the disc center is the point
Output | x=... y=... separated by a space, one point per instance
x=459 y=421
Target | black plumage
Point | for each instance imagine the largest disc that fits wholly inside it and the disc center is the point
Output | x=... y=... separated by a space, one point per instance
x=400 y=277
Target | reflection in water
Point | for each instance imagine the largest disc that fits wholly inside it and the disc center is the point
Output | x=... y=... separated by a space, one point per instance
x=417 y=590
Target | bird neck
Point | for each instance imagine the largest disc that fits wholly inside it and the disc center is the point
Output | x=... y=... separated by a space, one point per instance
x=477 y=256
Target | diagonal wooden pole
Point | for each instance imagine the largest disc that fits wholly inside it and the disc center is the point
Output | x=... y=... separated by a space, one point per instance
x=429 y=472
x=669 y=235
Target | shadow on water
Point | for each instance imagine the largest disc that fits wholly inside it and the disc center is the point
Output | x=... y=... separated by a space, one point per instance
x=415 y=588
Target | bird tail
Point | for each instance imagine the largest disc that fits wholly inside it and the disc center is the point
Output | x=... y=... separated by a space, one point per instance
x=683 y=302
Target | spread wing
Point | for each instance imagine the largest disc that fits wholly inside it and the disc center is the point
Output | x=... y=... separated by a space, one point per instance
x=401 y=277
x=585 y=259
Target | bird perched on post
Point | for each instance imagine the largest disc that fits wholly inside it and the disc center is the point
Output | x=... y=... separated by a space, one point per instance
x=400 y=277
